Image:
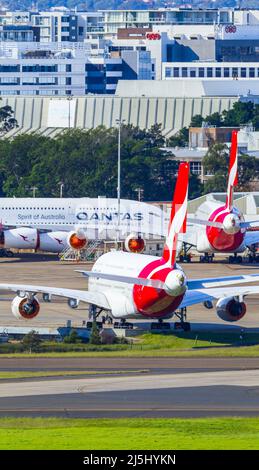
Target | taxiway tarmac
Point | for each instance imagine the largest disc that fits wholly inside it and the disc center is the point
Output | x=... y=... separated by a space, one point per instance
x=153 y=365
x=184 y=394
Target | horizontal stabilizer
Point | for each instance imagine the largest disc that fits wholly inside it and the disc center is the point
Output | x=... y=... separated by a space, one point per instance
x=208 y=223
x=127 y=279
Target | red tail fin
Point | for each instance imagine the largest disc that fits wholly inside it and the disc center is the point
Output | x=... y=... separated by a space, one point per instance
x=178 y=216
x=232 y=172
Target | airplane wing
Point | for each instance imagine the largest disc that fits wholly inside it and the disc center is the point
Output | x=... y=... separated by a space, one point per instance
x=200 y=290
x=95 y=298
x=251 y=238
x=221 y=281
x=198 y=296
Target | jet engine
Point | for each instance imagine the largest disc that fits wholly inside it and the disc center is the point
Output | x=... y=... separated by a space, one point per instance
x=20 y=238
x=229 y=309
x=54 y=242
x=231 y=224
x=134 y=243
x=77 y=240
x=24 y=308
x=175 y=283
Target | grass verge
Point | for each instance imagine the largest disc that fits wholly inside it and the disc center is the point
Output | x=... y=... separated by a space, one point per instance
x=64 y=373
x=133 y=434
x=174 y=344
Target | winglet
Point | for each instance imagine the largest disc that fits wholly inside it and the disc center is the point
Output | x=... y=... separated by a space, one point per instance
x=232 y=172
x=178 y=216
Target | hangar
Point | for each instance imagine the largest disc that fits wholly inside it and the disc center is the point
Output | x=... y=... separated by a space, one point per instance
x=50 y=115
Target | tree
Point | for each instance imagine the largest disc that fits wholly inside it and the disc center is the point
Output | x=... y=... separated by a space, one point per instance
x=180 y=139
x=216 y=163
x=241 y=113
x=214 y=119
x=31 y=341
x=72 y=338
x=7 y=120
x=248 y=171
x=195 y=186
x=86 y=161
x=196 y=121
x=95 y=337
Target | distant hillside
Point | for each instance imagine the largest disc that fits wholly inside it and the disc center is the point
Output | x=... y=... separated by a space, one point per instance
x=123 y=4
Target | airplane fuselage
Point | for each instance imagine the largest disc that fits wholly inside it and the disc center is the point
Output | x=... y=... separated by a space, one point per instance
x=229 y=239
x=45 y=223
x=64 y=213
x=136 y=301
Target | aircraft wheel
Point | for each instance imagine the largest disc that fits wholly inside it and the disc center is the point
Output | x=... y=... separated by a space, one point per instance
x=239 y=259
x=231 y=259
x=186 y=326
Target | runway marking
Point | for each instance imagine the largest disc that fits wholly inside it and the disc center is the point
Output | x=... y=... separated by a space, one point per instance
x=239 y=378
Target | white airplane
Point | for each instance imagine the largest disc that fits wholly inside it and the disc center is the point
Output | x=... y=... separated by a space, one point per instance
x=221 y=228
x=52 y=224
x=132 y=285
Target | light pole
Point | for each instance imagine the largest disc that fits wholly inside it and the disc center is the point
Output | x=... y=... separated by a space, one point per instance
x=61 y=189
x=69 y=98
x=34 y=189
x=119 y=123
x=140 y=192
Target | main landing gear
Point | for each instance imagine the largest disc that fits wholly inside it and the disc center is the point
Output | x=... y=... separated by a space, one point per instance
x=123 y=324
x=185 y=256
x=207 y=258
x=235 y=259
x=182 y=324
x=94 y=313
x=160 y=325
x=253 y=255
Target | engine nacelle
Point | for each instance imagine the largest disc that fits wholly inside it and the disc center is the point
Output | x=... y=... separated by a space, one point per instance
x=77 y=239
x=134 y=243
x=54 y=242
x=175 y=283
x=231 y=224
x=24 y=308
x=20 y=238
x=229 y=309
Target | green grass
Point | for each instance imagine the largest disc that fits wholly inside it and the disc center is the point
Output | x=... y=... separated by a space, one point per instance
x=174 y=344
x=64 y=373
x=142 y=433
